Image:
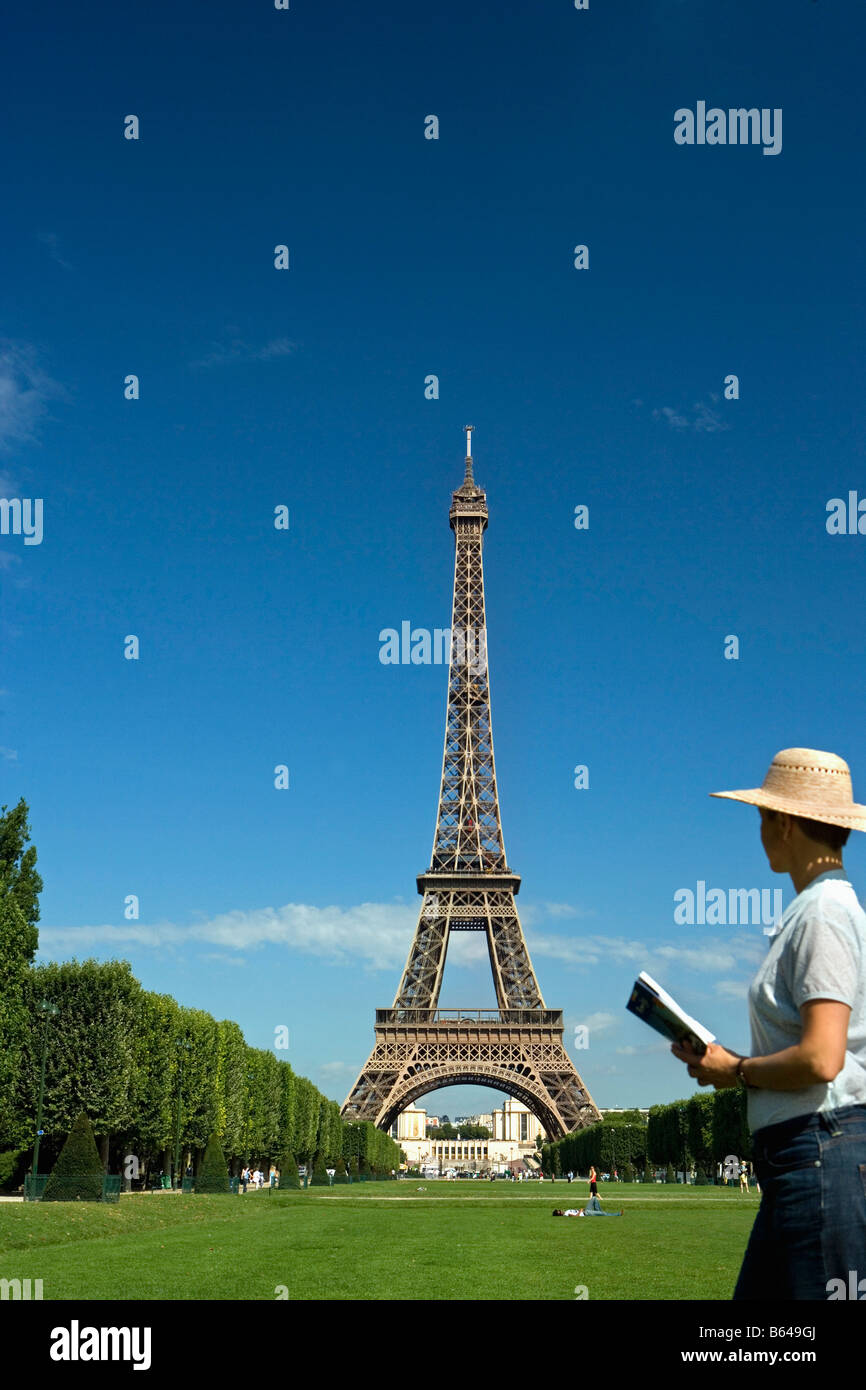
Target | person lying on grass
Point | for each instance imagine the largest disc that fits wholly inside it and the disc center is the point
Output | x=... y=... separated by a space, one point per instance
x=592 y=1208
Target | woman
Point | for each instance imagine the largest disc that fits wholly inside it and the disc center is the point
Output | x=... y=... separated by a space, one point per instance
x=593 y=1182
x=806 y=1079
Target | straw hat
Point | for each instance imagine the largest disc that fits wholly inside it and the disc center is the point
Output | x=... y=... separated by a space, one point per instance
x=806 y=782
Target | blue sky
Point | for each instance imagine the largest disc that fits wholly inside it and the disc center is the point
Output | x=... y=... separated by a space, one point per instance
x=305 y=387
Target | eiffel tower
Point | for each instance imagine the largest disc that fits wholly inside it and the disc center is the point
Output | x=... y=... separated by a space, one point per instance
x=518 y=1047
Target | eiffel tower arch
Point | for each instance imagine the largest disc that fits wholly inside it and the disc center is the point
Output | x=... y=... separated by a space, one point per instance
x=517 y=1047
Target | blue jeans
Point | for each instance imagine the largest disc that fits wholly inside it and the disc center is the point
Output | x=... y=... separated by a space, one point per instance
x=811 y=1224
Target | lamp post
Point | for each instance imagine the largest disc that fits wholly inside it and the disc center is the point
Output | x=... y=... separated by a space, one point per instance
x=47 y=1010
x=183 y=1046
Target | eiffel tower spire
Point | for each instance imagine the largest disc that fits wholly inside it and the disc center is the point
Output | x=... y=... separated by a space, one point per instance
x=469 y=887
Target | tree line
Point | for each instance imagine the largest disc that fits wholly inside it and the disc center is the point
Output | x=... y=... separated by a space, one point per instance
x=138 y=1063
x=698 y=1133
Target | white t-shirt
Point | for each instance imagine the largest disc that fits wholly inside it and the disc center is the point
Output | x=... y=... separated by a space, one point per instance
x=818 y=952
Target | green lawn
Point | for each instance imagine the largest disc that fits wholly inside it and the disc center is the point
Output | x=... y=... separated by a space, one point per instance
x=461 y=1240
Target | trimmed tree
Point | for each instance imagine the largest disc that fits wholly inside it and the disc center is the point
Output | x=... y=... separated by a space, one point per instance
x=341 y=1175
x=670 y=1175
x=320 y=1173
x=354 y=1168
x=289 y=1175
x=213 y=1175
x=77 y=1174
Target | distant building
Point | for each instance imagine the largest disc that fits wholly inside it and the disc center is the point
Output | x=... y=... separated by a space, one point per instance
x=512 y=1146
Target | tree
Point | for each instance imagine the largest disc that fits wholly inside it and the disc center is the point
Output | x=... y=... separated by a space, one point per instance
x=699 y=1133
x=213 y=1175
x=320 y=1173
x=231 y=1088
x=199 y=1079
x=155 y=1094
x=18 y=869
x=289 y=1175
x=730 y=1126
x=468 y=1132
x=92 y=1060
x=305 y=1119
x=15 y=936
x=77 y=1174
x=670 y=1175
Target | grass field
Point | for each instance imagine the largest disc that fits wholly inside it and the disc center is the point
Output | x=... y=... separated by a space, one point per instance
x=384 y=1241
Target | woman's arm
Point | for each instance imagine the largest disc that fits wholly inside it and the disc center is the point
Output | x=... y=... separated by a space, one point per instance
x=818 y=1057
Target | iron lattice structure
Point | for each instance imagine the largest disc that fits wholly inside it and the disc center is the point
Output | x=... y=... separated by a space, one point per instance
x=518 y=1047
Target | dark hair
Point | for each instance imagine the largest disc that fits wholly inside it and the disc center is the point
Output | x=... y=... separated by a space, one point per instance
x=833 y=836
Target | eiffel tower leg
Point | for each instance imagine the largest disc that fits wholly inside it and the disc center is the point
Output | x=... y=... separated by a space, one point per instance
x=513 y=975
x=422 y=978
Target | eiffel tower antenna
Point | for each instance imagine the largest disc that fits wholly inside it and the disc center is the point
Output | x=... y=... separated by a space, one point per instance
x=517 y=1047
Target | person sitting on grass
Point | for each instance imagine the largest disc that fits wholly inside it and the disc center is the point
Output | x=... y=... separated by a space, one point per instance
x=592 y=1208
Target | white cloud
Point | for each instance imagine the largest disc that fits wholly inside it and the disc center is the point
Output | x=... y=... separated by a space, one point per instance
x=732 y=989
x=567 y=910
x=709 y=954
x=376 y=933
x=676 y=422
x=52 y=242
x=238 y=351
x=702 y=417
x=9 y=754
x=600 y=1022
x=25 y=390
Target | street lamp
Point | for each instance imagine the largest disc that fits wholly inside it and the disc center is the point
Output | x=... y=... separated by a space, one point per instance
x=47 y=1010
x=183 y=1046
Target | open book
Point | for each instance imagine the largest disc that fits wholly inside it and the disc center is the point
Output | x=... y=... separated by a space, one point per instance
x=656 y=1007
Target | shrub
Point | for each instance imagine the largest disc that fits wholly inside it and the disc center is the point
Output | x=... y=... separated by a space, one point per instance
x=213 y=1175
x=289 y=1176
x=77 y=1174
x=9 y=1162
x=670 y=1175
x=320 y=1175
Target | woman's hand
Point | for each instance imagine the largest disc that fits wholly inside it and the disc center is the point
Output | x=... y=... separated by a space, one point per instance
x=717 y=1067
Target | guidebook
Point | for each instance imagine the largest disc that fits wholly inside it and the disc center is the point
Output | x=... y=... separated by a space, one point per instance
x=656 y=1007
